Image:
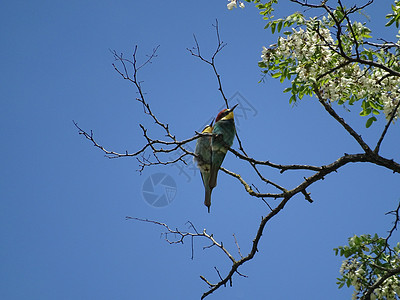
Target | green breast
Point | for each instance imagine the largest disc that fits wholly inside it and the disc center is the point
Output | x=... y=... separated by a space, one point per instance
x=225 y=129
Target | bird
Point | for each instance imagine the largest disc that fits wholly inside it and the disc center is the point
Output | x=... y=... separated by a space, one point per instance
x=203 y=160
x=223 y=134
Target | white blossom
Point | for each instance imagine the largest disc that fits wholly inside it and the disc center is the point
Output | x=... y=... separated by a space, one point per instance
x=231 y=4
x=313 y=54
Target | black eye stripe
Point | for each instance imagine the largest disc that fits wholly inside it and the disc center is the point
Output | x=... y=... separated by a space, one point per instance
x=223 y=114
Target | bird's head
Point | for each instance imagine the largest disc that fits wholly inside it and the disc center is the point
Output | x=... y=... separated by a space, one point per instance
x=208 y=128
x=226 y=114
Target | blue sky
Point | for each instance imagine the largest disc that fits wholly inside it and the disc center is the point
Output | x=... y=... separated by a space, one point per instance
x=63 y=204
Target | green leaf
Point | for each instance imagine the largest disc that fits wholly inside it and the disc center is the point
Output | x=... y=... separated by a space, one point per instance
x=375 y=105
x=347 y=253
x=365 y=112
x=339 y=13
x=276 y=75
x=280 y=26
x=364 y=105
x=288 y=89
x=261 y=64
x=273 y=26
x=370 y=121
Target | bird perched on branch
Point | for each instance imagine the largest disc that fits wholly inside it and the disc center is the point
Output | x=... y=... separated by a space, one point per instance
x=211 y=150
x=203 y=159
x=222 y=139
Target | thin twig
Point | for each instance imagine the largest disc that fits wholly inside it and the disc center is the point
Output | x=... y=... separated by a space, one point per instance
x=237 y=245
x=392 y=116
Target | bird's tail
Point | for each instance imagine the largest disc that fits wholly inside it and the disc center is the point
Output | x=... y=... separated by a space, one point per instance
x=217 y=159
x=207 y=200
x=213 y=176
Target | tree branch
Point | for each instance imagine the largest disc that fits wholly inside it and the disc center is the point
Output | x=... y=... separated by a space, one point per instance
x=390 y=273
x=392 y=115
x=341 y=121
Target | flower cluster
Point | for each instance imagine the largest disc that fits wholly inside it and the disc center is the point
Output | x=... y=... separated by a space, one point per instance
x=368 y=260
x=233 y=4
x=357 y=276
x=314 y=59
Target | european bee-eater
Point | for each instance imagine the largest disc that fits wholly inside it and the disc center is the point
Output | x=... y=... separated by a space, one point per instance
x=222 y=139
x=203 y=159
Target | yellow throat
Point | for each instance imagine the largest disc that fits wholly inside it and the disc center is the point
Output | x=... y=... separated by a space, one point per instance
x=228 y=116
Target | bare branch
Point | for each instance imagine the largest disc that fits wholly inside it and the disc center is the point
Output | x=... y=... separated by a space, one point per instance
x=195 y=51
x=283 y=168
x=262 y=198
x=341 y=121
x=219 y=274
x=237 y=245
x=183 y=234
x=396 y=221
x=392 y=115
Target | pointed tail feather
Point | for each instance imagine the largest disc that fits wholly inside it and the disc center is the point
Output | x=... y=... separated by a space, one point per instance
x=213 y=176
x=207 y=200
x=217 y=159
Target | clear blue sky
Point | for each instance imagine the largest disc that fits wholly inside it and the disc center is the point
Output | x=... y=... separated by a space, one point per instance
x=63 y=205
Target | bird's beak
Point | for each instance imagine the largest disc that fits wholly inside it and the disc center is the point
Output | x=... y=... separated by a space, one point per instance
x=212 y=121
x=234 y=107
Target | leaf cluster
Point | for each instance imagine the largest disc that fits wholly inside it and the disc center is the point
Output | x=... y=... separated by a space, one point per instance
x=368 y=261
x=394 y=17
x=334 y=55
